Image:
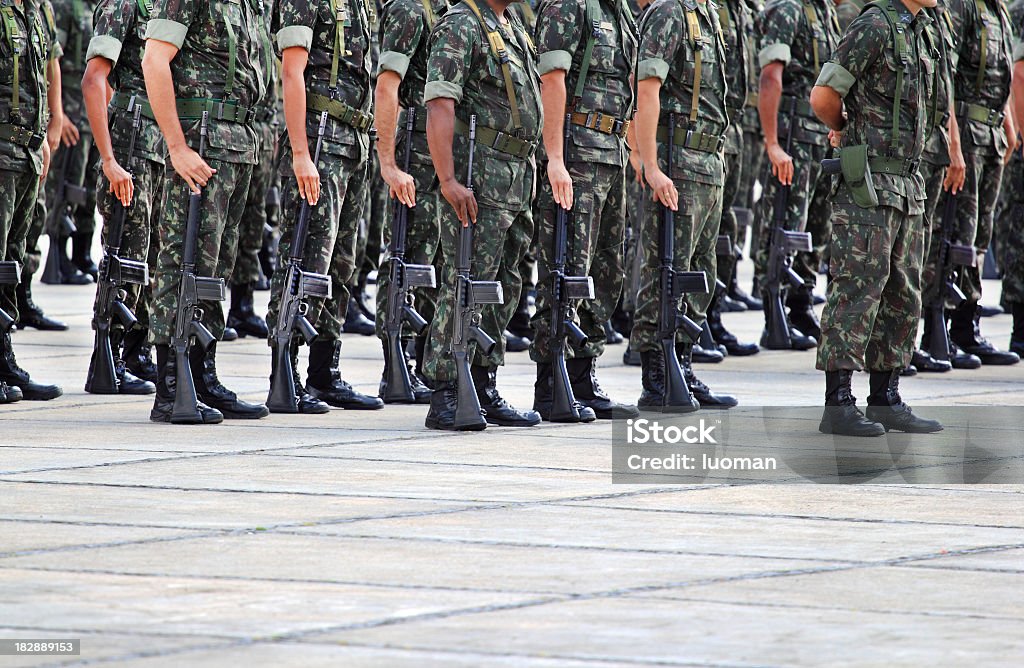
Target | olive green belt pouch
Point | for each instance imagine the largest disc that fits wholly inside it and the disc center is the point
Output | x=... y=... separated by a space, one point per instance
x=857 y=175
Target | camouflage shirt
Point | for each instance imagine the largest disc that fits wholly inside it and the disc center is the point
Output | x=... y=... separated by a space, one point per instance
x=788 y=36
x=404 y=33
x=312 y=25
x=74 y=30
x=119 y=36
x=847 y=11
x=937 y=148
x=562 y=33
x=42 y=47
x=667 y=53
x=204 y=32
x=462 y=67
x=863 y=71
x=738 y=27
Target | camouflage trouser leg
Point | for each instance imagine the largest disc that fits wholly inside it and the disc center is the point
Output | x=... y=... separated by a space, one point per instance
x=874 y=300
x=806 y=176
x=976 y=205
x=81 y=172
x=1010 y=233
x=343 y=258
x=33 y=256
x=594 y=245
x=17 y=204
x=636 y=204
x=734 y=169
x=374 y=217
x=819 y=224
x=933 y=176
x=250 y=230
x=223 y=206
x=696 y=231
x=753 y=171
x=500 y=239
x=139 y=227
x=336 y=182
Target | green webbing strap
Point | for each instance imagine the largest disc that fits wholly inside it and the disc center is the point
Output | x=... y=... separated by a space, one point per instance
x=428 y=10
x=498 y=49
x=592 y=19
x=696 y=39
x=341 y=20
x=145 y=7
x=980 y=6
x=14 y=40
x=902 y=52
x=529 y=14
x=723 y=16
x=229 y=83
x=812 y=19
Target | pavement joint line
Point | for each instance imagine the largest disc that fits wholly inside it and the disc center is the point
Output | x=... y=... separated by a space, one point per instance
x=963 y=569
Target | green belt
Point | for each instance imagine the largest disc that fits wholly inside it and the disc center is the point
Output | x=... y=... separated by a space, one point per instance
x=339 y=111
x=22 y=136
x=894 y=166
x=697 y=141
x=192 y=108
x=976 y=112
x=499 y=141
x=603 y=123
x=803 y=107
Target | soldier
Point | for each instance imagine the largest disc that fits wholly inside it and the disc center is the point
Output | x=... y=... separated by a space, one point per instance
x=405 y=27
x=218 y=68
x=1012 y=239
x=753 y=160
x=987 y=135
x=31 y=57
x=325 y=68
x=876 y=95
x=115 y=57
x=584 y=73
x=681 y=71
x=467 y=76
x=797 y=37
x=847 y=11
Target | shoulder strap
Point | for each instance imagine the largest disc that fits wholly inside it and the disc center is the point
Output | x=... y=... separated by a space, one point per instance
x=428 y=11
x=696 y=41
x=229 y=81
x=592 y=21
x=15 y=41
x=983 y=61
x=812 y=19
x=499 y=51
x=145 y=7
x=339 y=8
x=902 y=52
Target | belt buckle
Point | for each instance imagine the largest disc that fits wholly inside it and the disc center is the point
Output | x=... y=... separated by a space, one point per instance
x=607 y=123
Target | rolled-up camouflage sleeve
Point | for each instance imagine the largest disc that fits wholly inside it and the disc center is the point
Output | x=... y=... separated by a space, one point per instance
x=451 y=56
x=558 y=34
x=779 y=22
x=170 y=19
x=857 y=52
x=111 y=23
x=296 y=19
x=401 y=32
x=661 y=35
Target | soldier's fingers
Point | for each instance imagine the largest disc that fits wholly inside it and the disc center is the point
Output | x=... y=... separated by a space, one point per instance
x=473 y=210
x=190 y=183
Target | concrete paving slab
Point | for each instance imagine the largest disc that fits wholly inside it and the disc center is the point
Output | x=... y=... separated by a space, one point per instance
x=117 y=648
x=19 y=538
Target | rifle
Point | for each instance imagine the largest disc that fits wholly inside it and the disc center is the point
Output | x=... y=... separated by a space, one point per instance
x=404 y=277
x=469 y=296
x=115 y=272
x=565 y=289
x=298 y=286
x=188 y=319
x=950 y=255
x=672 y=286
x=59 y=224
x=780 y=259
x=10 y=274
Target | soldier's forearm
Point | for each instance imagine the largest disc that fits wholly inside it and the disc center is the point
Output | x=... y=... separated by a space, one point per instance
x=440 y=133
x=768 y=98
x=648 y=111
x=1018 y=93
x=94 y=94
x=53 y=94
x=156 y=69
x=828 y=107
x=553 y=96
x=386 y=116
x=293 y=90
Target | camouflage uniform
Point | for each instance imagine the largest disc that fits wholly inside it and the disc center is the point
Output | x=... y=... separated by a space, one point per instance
x=788 y=36
x=667 y=53
x=596 y=162
x=874 y=298
x=461 y=67
x=1011 y=232
x=264 y=176
x=753 y=139
x=201 y=71
x=847 y=11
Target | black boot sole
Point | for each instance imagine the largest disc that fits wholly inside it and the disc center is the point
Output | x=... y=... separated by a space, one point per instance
x=433 y=423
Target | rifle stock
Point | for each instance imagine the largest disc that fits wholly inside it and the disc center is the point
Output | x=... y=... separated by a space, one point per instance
x=59 y=224
x=951 y=255
x=10 y=274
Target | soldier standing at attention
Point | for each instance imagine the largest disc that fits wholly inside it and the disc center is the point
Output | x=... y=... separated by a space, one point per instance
x=202 y=56
x=405 y=27
x=325 y=67
x=465 y=76
x=797 y=37
x=31 y=56
x=681 y=71
x=1011 y=245
x=876 y=94
x=587 y=54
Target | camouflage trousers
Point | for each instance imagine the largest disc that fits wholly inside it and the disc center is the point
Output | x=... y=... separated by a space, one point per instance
x=597 y=227
x=871 y=316
x=331 y=239
x=500 y=240
x=753 y=171
x=734 y=169
x=140 y=238
x=807 y=210
x=250 y=230
x=374 y=222
x=975 y=212
x=17 y=205
x=1009 y=231
x=933 y=175
x=695 y=233
x=636 y=205
x=219 y=217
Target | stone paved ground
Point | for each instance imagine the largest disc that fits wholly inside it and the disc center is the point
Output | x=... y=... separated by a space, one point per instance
x=361 y=539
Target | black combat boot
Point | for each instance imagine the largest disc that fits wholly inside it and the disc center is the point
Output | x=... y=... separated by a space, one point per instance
x=841 y=414
x=137 y=354
x=14 y=375
x=69 y=273
x=9 y=394
x=305 y=403
x=163 y=403
x=212 y=392
x=583 y=377
x=886 y=407
x=630 y=357
x=29 y=313
x=922 y=359
x=519 y=325
x=1017 y=335
x=653 y=378
x=611 y=336
x=798 y=340
x=736 y=292
x=965 y=333
x=543 y=397
x=496 y=409
x=81 y=254
x=230 y=334
x=242 y=317
x=419 y=354
x=701 y=392
x=420 y=392
x=324 y=380
x=355 y=321
x=800 y=301
x=724 y=337
x=127 y=382
x=709 y=355
x=515 y=343
x=444 y=401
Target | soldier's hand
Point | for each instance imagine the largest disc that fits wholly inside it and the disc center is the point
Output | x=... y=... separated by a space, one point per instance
x=1013 y=144
x=835 y=138
x=69 y=132
x=308 y=178
x=46 y=162
x=462 y=200
x=956 y=173
x=120 y=181
x=561 y=183
x=782 y=164
x=663 y=189
x=191 y=167
x=402 y=185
